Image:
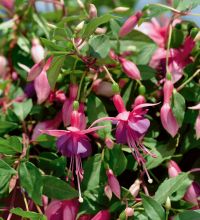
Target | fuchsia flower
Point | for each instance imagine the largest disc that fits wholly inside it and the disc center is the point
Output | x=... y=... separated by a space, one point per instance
x=178 y=58
x=3 y=66
x=74 y=143
x=168 y=120
x=129 y=24
x=102 y=215
x=197 y=123
x=9 y=4
x=62 y=210
x=131 y=128
x=37 y=51
x=113 y=183
x=193 y=191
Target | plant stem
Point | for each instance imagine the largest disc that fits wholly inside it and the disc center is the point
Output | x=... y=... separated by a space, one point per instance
x=188 y=80
x=108 y=74
x=168 y=47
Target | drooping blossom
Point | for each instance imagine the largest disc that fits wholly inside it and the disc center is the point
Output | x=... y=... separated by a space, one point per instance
x=197 y=123
x=113 y=183
x=167 y=117
x=178 y=59
x=129 y=24
x=102 y=215
x=192 y=194
x=62 y=210
x=129 y=68
x=74 y=143
x=131 y=128
x=47 y=125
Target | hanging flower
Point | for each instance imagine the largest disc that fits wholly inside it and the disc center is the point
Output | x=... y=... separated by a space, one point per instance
x=74 y=143
x=197 y=123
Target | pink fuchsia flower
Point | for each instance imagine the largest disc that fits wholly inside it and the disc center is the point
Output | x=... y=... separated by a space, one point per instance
x=37 y=51
x=168 y=120
x=74 y=143
x=39 y=75
x=129 y=24
x=113 y=183
x=130 y=69
x=197 y=123
x=193 y=191
x=46 y=125
x=131 y=128
x=178 y=59
x=129 y=212
x=192 y=195
x=92 y=11
x=102 y=215
x=62 y=210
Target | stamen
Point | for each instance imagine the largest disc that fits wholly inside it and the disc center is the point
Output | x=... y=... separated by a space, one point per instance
x=148 y=176
x=78 y=175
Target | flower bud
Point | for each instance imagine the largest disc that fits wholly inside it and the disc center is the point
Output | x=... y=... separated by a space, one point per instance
x=192 y=194
x=121 y=9
x=135 y=188
x=100 y=30
x=129 y=212
x=9 y=4
x=129 y=24
x=173 y=169
x=113 y=183
x=80 y=3
x=108 y=192
x=168 y=203
x=92 y=11
x=79 y=27
x=168 y=90
x=37 y=51
x=109 y=142
x=102 y=88
x=130 y=69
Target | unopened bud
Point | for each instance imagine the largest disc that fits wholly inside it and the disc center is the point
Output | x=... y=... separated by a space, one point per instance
x=120 y=9
x=79 y=27
x=75 y=105
x=168 y=203
x=115 y=88
x=142 y=90
x=129 y=212
x=92 y=11
x=169 y=76
x=197 y=37
x=109 y=142
x=108 y=192
x=100 y=30
x=135 y=188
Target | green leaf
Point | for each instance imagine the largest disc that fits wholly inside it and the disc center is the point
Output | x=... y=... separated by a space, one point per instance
x=116 y=159
x=6 y=25
x=31 y=181
x=11 y=145
x=5 y=169
x=99 y=46
x=178 y=107
x=186 y=215
x=28 y=214
x=62 y=34
x=22 y=109
x=177 y=38
x=94 y=23
x=170 y=186
x=146 y=72
x=152 y=208
x=51 y=45
x=94 y=172
x=56 y=188
x=54 y=70
x=115 y=27
x=185 y=5
x=7 y=126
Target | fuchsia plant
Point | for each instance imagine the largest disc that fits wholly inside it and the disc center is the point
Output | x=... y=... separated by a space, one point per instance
x=94 y=101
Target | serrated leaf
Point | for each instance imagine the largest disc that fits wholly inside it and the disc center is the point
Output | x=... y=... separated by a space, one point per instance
x=54 y=70
x=170 y=186
x=152 y=208
x=31 y=180
x=178 y=107
x=56 y=188
x=22 y=109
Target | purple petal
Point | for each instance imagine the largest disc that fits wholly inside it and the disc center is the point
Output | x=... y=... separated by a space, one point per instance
x=141 y=126
x=121 y=133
